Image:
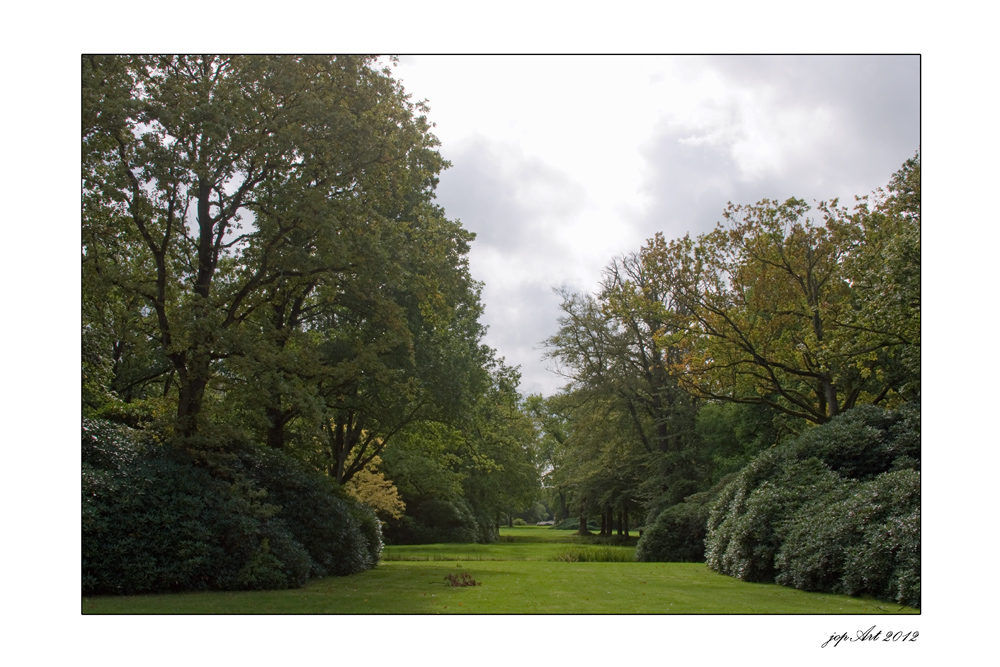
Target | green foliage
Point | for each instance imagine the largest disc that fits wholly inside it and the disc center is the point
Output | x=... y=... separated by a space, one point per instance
x=865 y=544
x=884 y=266
x=538 y=511
x=340 y=534
x=435 y=521
x=573 y=523
x=263 y=262
x=808 y=315
x=836 y=509
x=598 y=554
x=262 y=250
x=745 y=533
x=677 y=534
x=154 y=520
x=865 y=441
x=733 y=433
x=458 y=479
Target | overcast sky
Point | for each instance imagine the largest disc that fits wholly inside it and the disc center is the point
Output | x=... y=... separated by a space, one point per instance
x=560 y=163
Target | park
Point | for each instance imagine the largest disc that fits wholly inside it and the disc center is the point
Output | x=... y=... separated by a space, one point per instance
x=291 y=402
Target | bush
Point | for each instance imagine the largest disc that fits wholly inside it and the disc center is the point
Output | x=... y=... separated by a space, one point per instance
x=744 y=535
x=865 y=441
x=885 y=563
x=863 y=544
x=436 y=521
x=153 y=521
x=339 y=533
x=678 y=533
x=836 y=509
x=601 y=554
x=519 y=522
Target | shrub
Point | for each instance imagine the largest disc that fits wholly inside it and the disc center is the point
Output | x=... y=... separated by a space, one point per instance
x=519 y=522
x=865 y=441
x=678 y=533
x=435 y=521
x=602 y=554
x=866 y=543
x=371 y=530
x=885 y=563
x=335 y=530
x=155 y=521
x=837 y=510
x=744 y=525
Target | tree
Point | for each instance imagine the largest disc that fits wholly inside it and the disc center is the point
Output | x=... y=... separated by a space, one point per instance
x=552 y=426
x=884 y=269
x=457 y=478
x=635 y=441
x=501 y=471
x=782 y=308
x=372 y=488
x=221 y=178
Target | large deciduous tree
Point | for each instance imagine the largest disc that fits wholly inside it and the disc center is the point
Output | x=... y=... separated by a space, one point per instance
x=810 y=317
x=238 y=206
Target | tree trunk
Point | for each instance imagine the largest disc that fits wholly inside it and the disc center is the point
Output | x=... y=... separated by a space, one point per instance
x=193 y=381
x=275 y=428
x=583 y=524
x=194 y=364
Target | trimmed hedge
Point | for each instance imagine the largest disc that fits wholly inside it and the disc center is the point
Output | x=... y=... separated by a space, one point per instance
x=153 y=521
x=837 y=509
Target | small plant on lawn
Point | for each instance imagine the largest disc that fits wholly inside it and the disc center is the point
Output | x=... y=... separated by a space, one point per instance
x=464 y=579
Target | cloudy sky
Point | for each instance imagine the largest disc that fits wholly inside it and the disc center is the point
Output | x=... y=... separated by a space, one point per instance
x=560 y=163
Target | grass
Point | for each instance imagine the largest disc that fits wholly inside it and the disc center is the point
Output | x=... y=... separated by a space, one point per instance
x=517 y=543
x=521 y=575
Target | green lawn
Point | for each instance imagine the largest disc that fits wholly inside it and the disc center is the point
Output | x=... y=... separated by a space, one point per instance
x=526 y=573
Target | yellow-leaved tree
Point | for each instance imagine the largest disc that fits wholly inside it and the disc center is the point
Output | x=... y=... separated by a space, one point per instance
x=370 y=487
